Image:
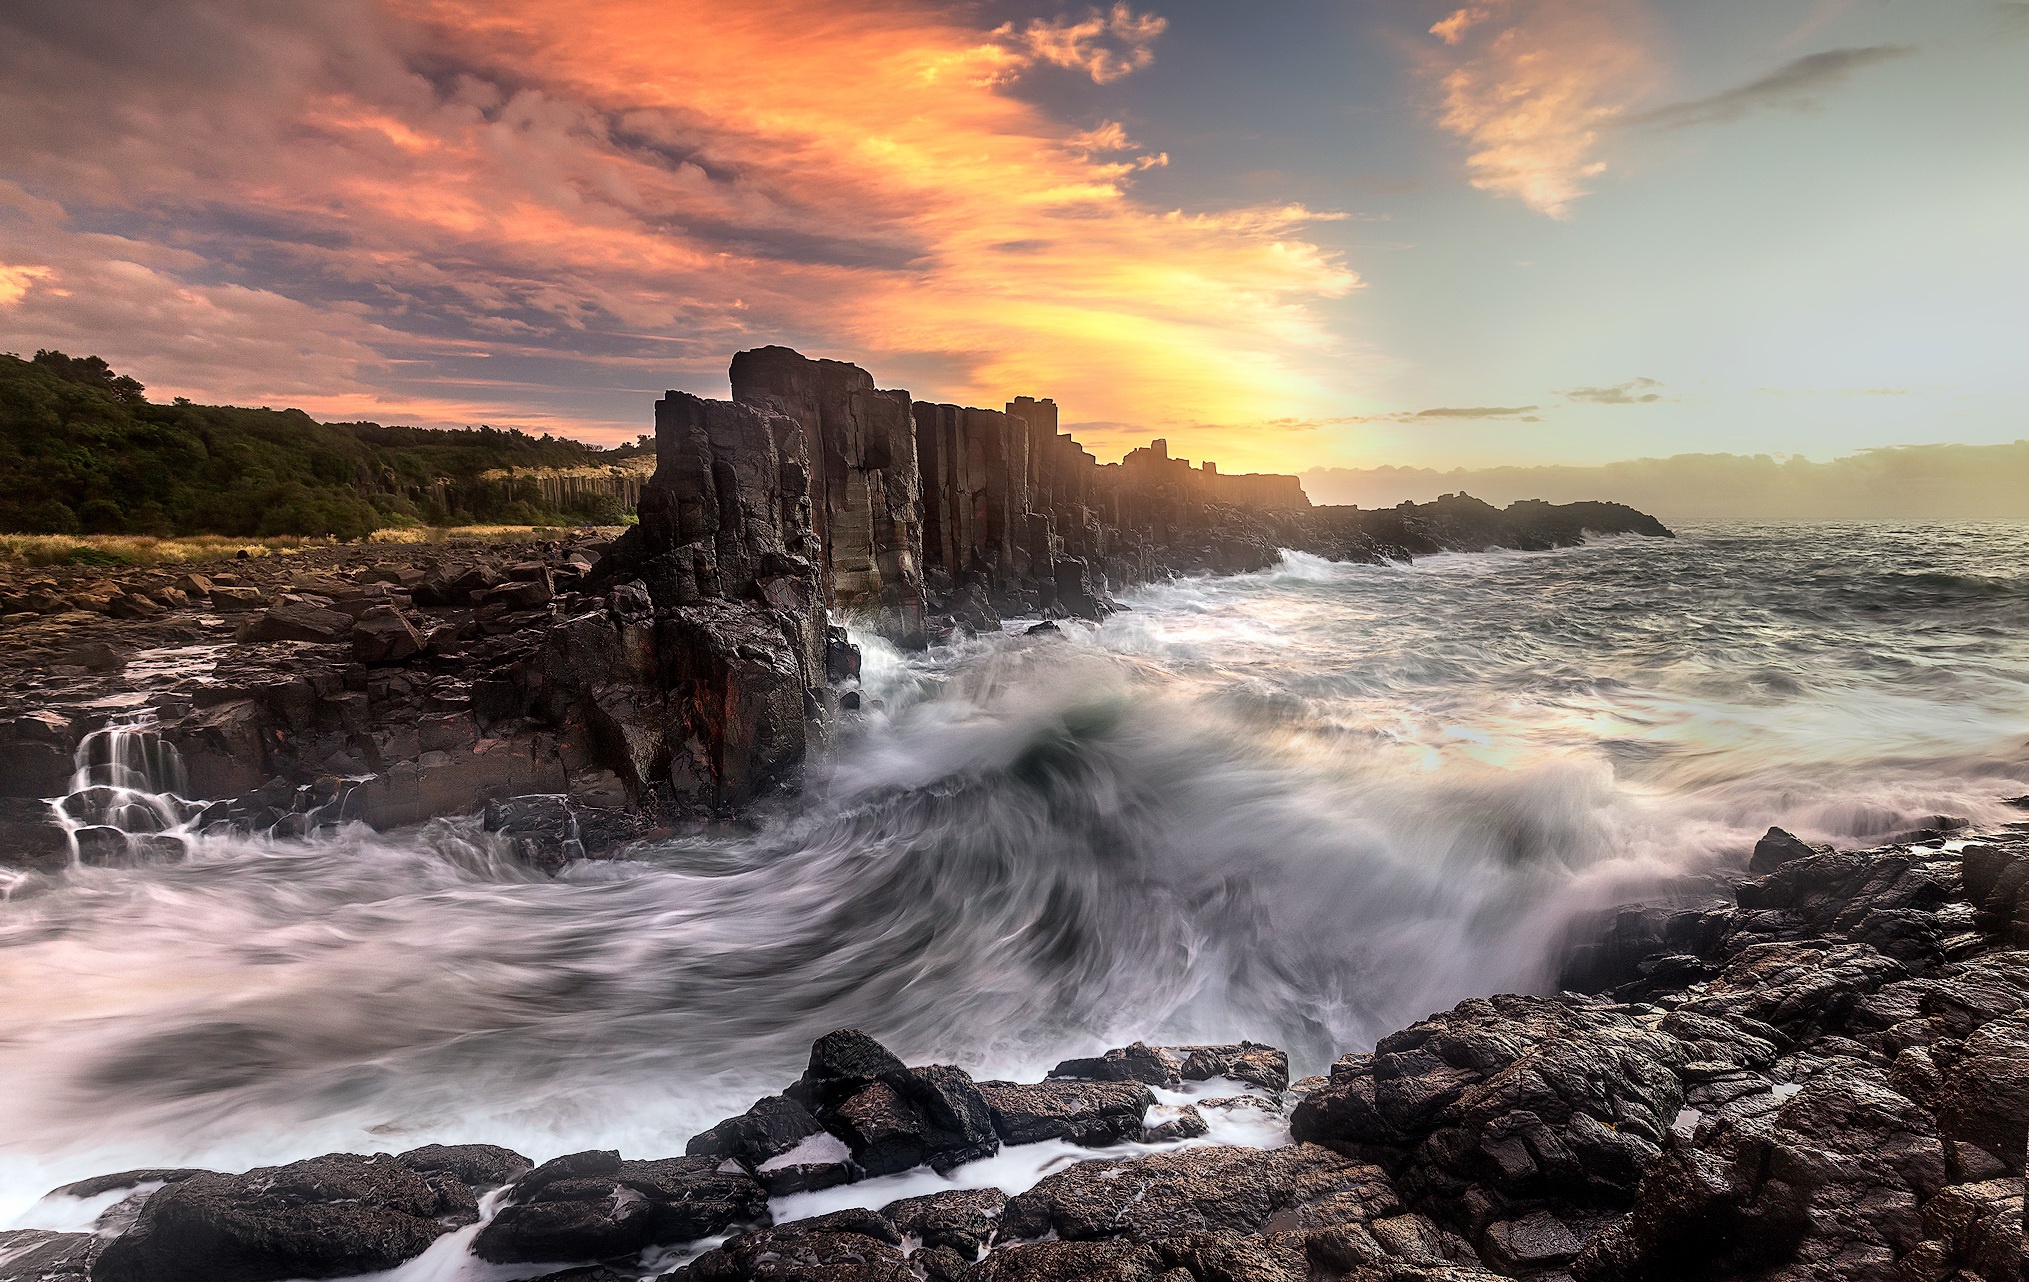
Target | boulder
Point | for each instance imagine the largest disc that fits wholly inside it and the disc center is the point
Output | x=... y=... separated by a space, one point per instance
x=1508 y=1105
x=845 y=1246
x=1777 y=848
x=1250 y=1062
x=37 y=1255
x=384 y=635
x=1213 y=1189
x=1829 y=1184
x=323 y=1218
x=931 y=1116
x=1073 y=1262
x=964 y=1220
x=1136 y=1063
x=1983 y=1096
x=782 y=1145
x=1088 y=1113
x=228 y=600
x=593 y=1206
x=296 y=622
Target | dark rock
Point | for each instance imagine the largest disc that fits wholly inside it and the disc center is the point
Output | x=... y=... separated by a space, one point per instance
x=1213 y=1189
x=231 y=600
x=290 y=622
x=542 y=831
x=324 y=1218
x=102 y=1184
x=1778 y=848
x=482 y=1166
x=1072 y=1262
x=1830 y=1184
x=1536 y=1241
x=31 y=837
x=1970 y=1230
x=965 y=1220
x=862 y=460
x=845 y=1246
x=1089 y=1113
x=783 y=1145
x=37 y=1255
x=1186 y=1123
x=593 y=1206
x=917 y=1116
x=1503 y=1105
x=1249 y=1062
x=1984 y=1094
x=1136 y=1063
x=383 y=635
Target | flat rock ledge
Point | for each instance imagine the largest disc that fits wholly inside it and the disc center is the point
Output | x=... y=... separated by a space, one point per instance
x=1825 y=1079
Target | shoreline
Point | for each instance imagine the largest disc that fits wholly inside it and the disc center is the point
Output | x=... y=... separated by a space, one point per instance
x=1861 y=1015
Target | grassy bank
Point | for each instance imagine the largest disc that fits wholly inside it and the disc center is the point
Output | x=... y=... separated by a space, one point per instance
x=114 y=550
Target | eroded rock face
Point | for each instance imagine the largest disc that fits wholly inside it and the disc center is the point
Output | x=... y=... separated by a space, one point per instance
x=1089 y=1113
x=324 y=1218
x=594 y=1206
x=864 y=485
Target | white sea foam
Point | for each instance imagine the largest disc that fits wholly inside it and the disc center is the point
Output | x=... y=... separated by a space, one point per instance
x=1304 y=807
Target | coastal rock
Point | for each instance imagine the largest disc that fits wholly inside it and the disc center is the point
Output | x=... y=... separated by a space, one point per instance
x=1507 y=1106
x=1074 y=1262
x=1214 y=1189
x=1136 y=1063
x=918 y=1116
x=864 y=483
x=1778 y=848
x=1088 y=1113
x=1830 y=1184
x=964 y=1220
x=37 y=1255
x=594 y=1206
x=324 y=1218
x=1250 y=1062
x=854 y=1245
x=384 y=635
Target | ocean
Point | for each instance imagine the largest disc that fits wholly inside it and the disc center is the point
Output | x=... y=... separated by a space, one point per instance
x=1306 y=806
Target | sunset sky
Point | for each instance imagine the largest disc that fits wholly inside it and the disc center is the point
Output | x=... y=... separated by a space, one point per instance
x=1282 y=234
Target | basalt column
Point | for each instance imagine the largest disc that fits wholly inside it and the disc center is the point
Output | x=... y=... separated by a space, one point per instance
x=864 y=480
x=708 y=689
x=976 y=516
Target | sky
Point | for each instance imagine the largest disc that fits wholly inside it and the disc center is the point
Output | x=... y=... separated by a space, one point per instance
x=1283 y=234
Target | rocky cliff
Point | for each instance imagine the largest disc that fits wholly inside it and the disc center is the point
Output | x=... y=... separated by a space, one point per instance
x=973 y=514
x=685 y=671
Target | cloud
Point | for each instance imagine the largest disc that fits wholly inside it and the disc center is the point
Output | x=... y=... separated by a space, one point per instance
x=1633 y=392
x=1795 y=84
x=1478 y=411
x=1530 y=85
x=557 y=208
x=1104 y=45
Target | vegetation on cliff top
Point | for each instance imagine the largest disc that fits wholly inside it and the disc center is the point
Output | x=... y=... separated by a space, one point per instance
x=83 y=451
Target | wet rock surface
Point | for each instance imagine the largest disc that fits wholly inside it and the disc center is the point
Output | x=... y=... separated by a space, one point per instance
x=1799 y=1105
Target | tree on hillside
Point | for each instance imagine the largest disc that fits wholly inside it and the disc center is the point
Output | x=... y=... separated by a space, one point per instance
x=92 y=371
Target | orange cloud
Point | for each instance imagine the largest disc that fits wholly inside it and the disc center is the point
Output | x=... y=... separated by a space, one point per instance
x=550 y=208
x=1531 y=85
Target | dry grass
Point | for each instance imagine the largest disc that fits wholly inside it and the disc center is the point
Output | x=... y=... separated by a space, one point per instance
x=115 y=550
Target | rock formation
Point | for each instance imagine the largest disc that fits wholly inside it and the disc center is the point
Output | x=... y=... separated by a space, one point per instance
x=682 y=672
x=1825 y=1078
x=864 y=484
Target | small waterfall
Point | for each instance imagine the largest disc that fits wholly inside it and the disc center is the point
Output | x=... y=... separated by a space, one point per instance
x=126 y=796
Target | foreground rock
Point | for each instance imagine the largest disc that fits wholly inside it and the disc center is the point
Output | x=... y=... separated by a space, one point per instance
x=328 y=1217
